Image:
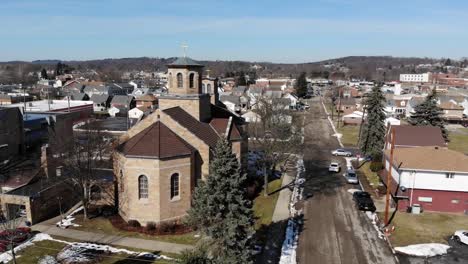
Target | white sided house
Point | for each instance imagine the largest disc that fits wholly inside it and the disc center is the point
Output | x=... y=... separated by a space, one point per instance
x=433 y=177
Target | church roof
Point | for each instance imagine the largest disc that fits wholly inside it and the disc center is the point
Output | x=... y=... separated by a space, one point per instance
x=156 y=141
x=185 y=61
x=201 y=130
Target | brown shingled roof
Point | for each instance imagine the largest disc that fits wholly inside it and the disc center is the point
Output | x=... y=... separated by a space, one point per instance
x=201 y=130
x=420 y=136
x=156 y=141
x=450 y=106
x=430 y=158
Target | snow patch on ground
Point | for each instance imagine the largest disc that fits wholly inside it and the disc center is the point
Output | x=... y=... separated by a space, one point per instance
x=349 y=162
x=68 y=220
x=424 y=250
x=74 y=249
x=288 y=250
x=338 y=135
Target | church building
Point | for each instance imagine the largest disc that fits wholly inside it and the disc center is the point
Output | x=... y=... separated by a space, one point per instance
x=158 y=162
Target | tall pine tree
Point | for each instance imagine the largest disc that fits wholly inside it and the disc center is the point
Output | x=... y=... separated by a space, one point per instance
x=301 y=85
x=221 y=210
x=373 y=133
x=429 y=114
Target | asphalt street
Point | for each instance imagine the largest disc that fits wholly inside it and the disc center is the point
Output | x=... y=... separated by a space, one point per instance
x=334 y=230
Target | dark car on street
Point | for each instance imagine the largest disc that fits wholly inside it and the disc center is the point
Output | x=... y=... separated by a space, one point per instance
x=364 y=201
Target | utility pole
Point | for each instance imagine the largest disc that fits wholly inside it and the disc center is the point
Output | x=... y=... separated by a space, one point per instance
x=389 y=175
x=364 y=108
x=339 y=109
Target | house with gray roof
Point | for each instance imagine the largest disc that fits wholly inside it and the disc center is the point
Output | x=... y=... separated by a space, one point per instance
x=100 y=102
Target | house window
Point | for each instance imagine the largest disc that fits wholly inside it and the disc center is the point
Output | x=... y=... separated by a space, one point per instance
x=58 y=171
x=174 y=185
x=208 y=88
x=449 y=175
x=142 y=187
x=192 y=80
x=455 y=201
x=425 y=199
x=180 y=80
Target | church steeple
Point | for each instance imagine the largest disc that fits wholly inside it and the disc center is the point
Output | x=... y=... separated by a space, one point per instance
x=185 y=76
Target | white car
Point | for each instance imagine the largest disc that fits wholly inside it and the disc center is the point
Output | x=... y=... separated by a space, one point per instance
x=461 y=236
x=341 y=152
x=334 y=167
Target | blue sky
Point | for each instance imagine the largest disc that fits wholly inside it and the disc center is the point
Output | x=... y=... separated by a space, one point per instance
x=255 y=30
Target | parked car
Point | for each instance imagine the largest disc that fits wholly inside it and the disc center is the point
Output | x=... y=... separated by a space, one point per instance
x=461 y=236
x=334 y=167
x=342 y=152
x=351 y=176
x=364 y=201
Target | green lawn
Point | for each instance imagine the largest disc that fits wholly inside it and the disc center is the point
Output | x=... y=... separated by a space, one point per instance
x=265 y=206
x=33 y=254
x=459 y=140
x=103 y=225
x=350 y=135
x=427 y=227
x=371 y=176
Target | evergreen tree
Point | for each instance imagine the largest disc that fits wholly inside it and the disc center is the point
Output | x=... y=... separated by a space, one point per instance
x=429 y=114
x=221 y=210
x=373 y=133
x=301 y=85
x=241 y=81
x=44 y=74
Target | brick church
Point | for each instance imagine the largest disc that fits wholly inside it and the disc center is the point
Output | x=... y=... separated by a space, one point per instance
x=158 y=161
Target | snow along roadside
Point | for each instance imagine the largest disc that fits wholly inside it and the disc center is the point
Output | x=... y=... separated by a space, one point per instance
x=424 y=250
x=288 y=250
x=336 y=134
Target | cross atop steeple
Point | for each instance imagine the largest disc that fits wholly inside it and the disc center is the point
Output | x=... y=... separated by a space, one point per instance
x=184 y=48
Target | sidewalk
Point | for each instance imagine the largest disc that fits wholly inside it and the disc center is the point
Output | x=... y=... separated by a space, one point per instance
x=149 y=245
x=282 y=205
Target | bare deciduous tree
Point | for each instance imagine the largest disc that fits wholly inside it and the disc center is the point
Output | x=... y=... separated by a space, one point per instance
x=276 y=132
x=82 y=157
x=11 y=233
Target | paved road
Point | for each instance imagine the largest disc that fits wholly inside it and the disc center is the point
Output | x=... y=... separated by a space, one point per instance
x=334 y=231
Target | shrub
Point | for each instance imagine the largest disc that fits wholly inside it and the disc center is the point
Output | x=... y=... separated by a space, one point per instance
x=168 y=227
x=196 y=256
x=376 y=166
x=134 y=223
x=151 y=226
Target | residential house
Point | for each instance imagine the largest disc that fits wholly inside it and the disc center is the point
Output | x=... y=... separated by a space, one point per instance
x=147 y=101
x=79 y=96
x=232 y=102
x=346 y=105
x=14 y=98
x=100 y=102
x=433 y=178
x=451 y=111
x=239 y=90
x=139 y=91
x=293 y=99
x=407 y=136
x=123 y=102
x=254 y=92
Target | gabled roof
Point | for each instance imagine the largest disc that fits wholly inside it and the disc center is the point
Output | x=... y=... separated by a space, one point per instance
x=201 y=130
x=185 y=61
x=99 y=98
x=156 y=141
x=230 y=98
x=450 y=106
x=430 y=158
x=121 y=99
x=418 y=136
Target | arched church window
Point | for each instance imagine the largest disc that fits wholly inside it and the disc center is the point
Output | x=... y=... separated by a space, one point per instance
x=203 y=88
x=142 y=187
x=208 y=88
x=192 y=80
x=174 y=185
x=180 y=80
